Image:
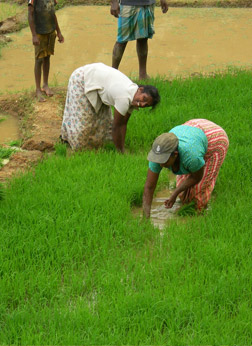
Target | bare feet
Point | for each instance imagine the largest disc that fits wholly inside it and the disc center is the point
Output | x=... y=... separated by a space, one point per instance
x=39 y=96
x=144 y=77
x=47 y=90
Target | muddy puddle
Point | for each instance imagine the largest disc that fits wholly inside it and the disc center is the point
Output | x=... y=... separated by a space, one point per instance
x=9 y=129
x=160 y=215
x=187 y=40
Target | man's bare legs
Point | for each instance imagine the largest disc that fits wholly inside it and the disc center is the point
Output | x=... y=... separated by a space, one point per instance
x=46 y=69
x=37 y=73
x=142 y=53
x=118 y=51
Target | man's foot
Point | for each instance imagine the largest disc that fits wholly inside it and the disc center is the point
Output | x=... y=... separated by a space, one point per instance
x=144 y=77
x=40 y=96
x=47 y=90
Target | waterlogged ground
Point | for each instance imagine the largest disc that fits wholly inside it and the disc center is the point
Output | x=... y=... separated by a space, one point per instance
x=160 y=215
x=187 y=40
x=9 y=129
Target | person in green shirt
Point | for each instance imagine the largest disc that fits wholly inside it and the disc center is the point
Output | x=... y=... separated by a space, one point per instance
x=194 y=152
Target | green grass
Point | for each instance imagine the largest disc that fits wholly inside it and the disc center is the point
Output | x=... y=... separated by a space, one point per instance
x=5 y=153
x=8 y=10
x=78 y=269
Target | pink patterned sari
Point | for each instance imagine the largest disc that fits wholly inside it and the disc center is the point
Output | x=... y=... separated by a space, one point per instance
x=217 y=148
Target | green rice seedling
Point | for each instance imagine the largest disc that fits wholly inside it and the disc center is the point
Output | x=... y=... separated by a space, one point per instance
x=15 y=143
x=187 y=209
x=60 y=149
x=78 y=268
x=1 y=192
x=2 y=118
x=5 y=152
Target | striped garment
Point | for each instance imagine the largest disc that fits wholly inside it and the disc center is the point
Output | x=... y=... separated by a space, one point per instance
x=217 y=148
x=135 y=22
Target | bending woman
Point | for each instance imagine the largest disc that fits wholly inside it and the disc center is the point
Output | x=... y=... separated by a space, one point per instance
x=194 y=152
x=92 y=90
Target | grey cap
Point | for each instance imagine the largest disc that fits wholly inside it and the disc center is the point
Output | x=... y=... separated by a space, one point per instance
x=162 y=148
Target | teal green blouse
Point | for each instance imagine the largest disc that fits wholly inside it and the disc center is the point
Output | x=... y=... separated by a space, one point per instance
x=192 y=148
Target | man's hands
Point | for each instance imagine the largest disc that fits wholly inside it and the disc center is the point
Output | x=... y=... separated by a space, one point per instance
x=115 y=8
x=164 y=6
x=60 y=37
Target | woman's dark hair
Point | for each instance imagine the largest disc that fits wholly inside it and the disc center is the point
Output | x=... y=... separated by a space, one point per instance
x=153 y=92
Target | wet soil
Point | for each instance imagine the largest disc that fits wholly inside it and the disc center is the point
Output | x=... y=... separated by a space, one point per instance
x=17 y=22
x=187 y=41
x=39 y=125
x=19 y=163
x=9 y=129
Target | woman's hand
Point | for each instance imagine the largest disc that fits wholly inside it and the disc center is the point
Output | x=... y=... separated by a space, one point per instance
x=193 y=179
x=169 y=202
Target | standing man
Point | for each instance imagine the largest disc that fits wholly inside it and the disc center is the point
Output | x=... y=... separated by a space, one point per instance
x=43 y=24
x=135 y=22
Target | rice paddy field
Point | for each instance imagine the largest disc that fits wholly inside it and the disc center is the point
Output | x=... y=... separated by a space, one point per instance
x=77 y=268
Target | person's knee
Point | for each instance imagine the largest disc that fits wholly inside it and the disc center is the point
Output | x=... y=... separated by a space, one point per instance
x=39 y=61
x=119 y=46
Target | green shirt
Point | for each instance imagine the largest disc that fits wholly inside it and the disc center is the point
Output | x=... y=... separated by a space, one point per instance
x=192 y=148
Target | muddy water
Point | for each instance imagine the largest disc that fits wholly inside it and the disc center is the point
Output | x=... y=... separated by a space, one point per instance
x=159 y=214
x=9 y=130
x=187 y=40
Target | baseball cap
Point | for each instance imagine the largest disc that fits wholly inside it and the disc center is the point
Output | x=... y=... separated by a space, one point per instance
x=162 y=147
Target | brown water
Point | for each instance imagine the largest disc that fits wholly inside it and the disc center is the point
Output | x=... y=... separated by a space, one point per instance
x=187 y=40
x=159 y=214
x=9 y=130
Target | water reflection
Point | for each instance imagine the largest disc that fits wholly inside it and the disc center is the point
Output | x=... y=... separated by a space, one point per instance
x=159 y=214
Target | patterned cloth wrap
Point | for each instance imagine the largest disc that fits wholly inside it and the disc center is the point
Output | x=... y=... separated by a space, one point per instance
x=82 y=127
x=135 y=22
x=46 y=45
x=217 y=149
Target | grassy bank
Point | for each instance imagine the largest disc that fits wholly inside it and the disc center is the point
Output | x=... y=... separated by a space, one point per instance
x=9 y=10
x=77 y=268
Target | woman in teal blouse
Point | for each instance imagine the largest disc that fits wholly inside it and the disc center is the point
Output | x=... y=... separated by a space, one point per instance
x=194 y=152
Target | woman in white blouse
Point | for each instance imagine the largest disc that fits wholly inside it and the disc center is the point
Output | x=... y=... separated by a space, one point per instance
x=92 y=90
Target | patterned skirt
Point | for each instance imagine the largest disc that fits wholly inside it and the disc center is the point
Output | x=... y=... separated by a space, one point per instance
x=82 y=127
x=217 y=149
x=135 y=22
